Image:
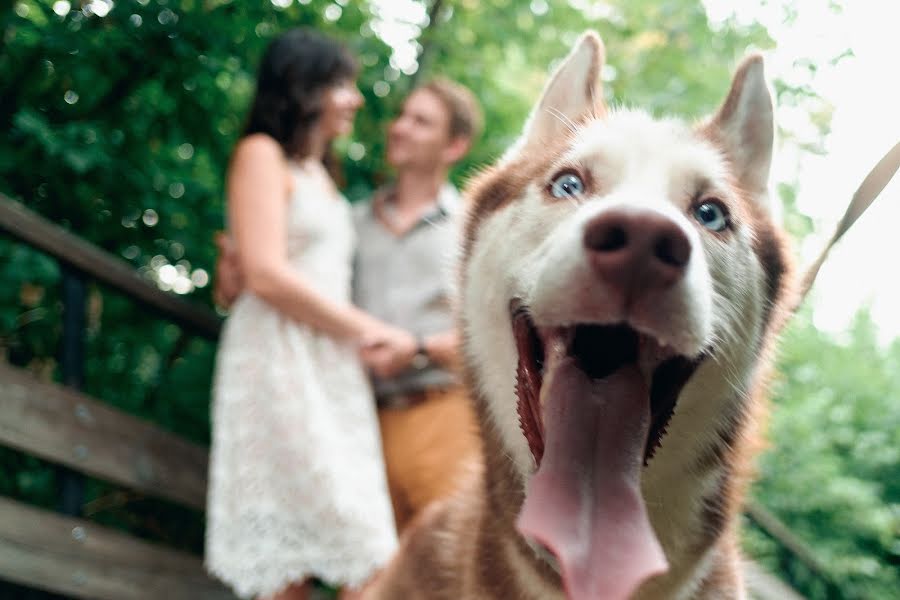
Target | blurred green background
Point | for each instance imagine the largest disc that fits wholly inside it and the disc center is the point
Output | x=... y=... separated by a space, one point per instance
x=119 y=118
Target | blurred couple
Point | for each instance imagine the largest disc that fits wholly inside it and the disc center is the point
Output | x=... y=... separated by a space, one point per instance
x=337 y=413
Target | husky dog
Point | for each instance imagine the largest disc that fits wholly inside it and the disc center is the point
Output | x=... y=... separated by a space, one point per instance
x=622 y=278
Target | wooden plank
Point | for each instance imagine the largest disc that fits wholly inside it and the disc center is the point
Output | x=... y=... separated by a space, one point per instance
x=70 y=556
x=763 y=586
x=42 y=234
x=72 y=429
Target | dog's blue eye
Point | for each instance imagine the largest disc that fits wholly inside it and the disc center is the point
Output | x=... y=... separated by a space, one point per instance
x=711 y=215
x=566 y=185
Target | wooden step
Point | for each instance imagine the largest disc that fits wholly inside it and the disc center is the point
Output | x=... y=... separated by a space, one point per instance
x=71 y=556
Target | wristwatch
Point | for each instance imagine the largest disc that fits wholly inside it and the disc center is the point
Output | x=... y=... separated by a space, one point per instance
x=420 y=359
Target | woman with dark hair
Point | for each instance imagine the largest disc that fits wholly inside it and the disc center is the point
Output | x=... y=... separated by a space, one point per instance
x=297 y=485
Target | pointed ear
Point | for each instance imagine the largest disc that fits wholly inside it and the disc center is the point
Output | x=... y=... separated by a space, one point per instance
x=572 y=94
x=745 y=125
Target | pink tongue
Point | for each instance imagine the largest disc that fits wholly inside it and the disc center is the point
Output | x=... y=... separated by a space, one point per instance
x=584 y=502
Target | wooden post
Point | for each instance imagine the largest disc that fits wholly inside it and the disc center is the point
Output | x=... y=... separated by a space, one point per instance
x=71 y=360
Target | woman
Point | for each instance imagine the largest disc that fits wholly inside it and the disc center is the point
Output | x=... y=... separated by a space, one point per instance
x=297 y=484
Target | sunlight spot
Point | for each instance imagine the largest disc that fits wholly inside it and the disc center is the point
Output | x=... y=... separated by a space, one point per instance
x=264 y=29
x=182 y=285
x=150 y=218
x=399 y=23
x=62 y=7
x=100 y=8
x=356 y=151
x=410 y=68
x=381 y=88
x=176 y=190
x=539 y=7
x=167 y=274
x=391 y=74
x=185 y=151
x=166 y=17
x=333 y=12
x=608 y=73
x=200 y=278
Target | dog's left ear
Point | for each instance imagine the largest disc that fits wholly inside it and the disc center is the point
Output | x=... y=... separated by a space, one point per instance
x=745 y=126
x=572 y=94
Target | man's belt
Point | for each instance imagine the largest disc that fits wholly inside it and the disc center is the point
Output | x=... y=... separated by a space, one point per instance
x=412 y=398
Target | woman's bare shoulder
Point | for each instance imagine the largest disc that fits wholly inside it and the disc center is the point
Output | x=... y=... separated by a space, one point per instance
x=258 y=146
x=259 y=168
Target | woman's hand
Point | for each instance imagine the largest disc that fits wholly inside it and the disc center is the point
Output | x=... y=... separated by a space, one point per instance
x=387 y=351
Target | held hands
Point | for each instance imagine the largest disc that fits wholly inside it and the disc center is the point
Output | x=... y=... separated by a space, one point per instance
x=388 y=351
x=385 y=350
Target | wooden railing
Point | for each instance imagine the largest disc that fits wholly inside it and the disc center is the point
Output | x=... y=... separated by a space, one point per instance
x=62 y=552
x=69 y=555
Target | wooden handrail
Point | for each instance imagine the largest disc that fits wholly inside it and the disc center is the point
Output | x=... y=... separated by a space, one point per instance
x=761 y=585
x=778 y=531
x=72 y=429
x=68 y=248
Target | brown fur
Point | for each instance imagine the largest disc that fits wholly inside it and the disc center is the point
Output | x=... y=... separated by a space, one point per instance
x=495 y=187
x=458 y=549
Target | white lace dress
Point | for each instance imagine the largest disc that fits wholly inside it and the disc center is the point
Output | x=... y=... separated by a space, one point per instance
x=297 y=485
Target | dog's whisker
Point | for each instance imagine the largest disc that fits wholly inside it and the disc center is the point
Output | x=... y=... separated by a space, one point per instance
x=562 y=118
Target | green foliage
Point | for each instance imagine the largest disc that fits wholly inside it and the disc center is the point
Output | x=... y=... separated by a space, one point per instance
x=833 y=473
x=120 y=128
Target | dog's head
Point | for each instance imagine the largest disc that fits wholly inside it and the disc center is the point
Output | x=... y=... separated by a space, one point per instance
x=617 y=270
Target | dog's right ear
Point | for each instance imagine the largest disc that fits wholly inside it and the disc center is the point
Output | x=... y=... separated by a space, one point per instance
x=572 y=94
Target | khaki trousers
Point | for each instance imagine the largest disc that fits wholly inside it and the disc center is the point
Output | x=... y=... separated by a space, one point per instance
x=427 y=447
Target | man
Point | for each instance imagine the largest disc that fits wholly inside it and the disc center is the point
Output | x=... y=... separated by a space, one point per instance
x=407 y=234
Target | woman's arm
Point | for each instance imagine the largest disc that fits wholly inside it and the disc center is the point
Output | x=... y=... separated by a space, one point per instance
x=258 y=189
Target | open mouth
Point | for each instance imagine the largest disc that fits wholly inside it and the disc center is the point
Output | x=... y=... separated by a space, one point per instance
x=594 y=401
x=599 y=351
